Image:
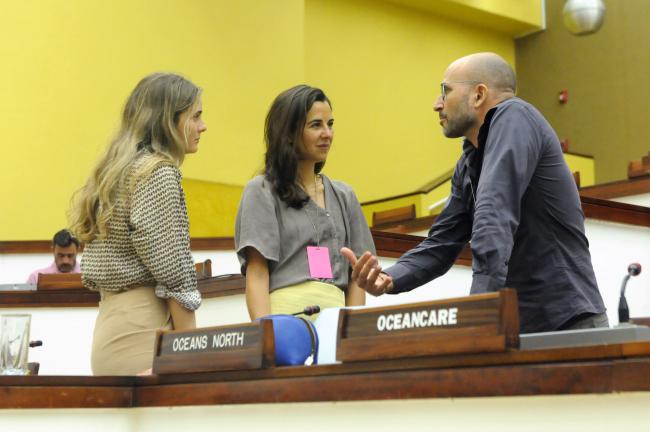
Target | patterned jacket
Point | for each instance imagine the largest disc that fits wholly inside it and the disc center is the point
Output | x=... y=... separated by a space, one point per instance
x=148 y=242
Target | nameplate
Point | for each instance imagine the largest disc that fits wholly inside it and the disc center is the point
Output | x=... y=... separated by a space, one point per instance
x=473 y=324
x=232 y=347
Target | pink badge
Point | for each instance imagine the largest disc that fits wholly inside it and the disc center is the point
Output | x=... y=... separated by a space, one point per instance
x=319 y=262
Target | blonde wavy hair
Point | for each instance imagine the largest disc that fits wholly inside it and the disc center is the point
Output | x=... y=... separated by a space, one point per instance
x=149 y=123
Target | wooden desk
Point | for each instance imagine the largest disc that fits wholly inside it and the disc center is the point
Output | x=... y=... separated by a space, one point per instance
x=578 y=370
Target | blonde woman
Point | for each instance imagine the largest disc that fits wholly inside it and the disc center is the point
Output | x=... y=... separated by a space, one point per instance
x=132 y=216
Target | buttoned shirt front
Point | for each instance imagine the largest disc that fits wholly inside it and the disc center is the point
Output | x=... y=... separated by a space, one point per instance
x=281 y=233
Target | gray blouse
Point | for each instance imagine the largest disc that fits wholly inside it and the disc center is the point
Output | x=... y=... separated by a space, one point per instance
x=281 y=234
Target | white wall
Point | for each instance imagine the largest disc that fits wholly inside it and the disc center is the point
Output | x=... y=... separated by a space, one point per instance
x=640 y=200
x=613 y=247
x=563 y=413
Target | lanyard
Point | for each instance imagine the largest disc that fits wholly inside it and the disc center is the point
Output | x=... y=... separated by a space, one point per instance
x=312 y=220
x=313 y=223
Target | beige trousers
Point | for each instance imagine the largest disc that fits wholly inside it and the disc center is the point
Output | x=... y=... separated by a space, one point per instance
x=295 y=298
x=124 y=336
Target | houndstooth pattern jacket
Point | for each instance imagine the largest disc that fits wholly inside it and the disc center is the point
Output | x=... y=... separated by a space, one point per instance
x=148 y=241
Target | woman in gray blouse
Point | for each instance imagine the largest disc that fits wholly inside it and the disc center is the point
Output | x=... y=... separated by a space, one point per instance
x=292 y=220
x=132 y=216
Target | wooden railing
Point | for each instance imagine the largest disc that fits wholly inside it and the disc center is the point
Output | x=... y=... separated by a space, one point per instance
x=618 y=189
x=593 y=208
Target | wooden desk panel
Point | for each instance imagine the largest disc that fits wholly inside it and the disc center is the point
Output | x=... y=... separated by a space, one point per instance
x=579 y=370
x=66 y=392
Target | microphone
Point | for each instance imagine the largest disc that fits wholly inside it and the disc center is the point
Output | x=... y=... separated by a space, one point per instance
x=633 y=269
x=309 y=310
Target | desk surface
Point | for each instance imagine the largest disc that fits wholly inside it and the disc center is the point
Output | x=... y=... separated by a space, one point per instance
x=216 y=286
x=576 y=370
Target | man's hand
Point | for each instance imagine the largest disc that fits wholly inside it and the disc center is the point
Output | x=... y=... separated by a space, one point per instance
x=366 y=272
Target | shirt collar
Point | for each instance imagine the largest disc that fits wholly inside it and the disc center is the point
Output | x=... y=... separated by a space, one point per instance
x=468 y=147
x=485 y=127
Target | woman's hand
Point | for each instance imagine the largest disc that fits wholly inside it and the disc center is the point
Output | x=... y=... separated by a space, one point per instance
x=182 y=319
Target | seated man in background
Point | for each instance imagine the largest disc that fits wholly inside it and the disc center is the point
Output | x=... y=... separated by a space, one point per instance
x=64 y=248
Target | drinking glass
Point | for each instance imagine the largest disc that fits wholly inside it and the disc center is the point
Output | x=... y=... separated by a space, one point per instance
x=14 y=344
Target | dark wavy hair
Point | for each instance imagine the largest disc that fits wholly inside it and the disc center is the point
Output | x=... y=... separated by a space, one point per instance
x=283 y=131
x=64 y=238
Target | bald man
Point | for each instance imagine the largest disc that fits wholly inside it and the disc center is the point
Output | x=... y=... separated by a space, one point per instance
x=513 y=197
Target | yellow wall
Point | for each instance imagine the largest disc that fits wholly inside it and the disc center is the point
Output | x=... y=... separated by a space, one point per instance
x=585 y=166
x=434 y=197
x=524 y=11
x=68 y=66
x=513 y=17
x=381 y=64
x=211 y=207
x=606 y=74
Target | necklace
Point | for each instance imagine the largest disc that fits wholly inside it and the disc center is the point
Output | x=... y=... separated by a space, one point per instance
x=312 y=192
x=314 y=197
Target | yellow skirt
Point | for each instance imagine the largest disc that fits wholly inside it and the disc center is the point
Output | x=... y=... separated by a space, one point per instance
x=295 y=298
x=125 y=330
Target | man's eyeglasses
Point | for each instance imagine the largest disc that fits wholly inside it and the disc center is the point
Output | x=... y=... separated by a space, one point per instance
x=443 y=86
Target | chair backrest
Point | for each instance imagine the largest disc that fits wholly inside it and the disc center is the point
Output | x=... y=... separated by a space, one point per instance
x=203 y=269
x=576 y=177
x=393 y=216
x=59 y=281
x=639 y=168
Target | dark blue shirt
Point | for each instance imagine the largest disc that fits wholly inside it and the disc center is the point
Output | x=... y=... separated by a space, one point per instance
x=516 y=201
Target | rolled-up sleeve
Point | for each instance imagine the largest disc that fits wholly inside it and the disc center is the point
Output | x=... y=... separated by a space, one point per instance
x=436 y=254
x=256 y=225
x=511 y=154
x=160 y=235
